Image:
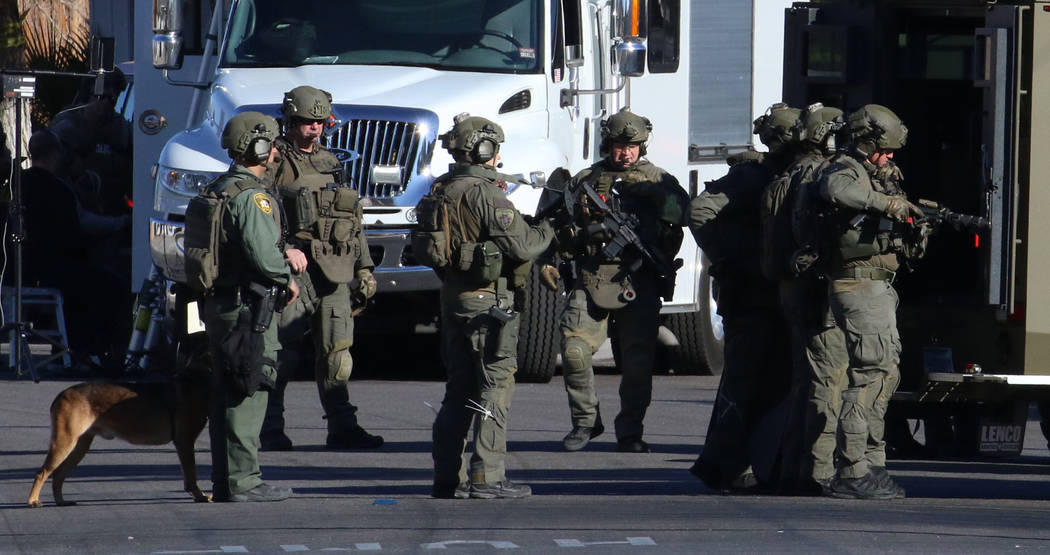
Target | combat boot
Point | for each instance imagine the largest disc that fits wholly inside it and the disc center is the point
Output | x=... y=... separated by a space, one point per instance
x=275 y=441
x=887 y=482
x=352 y=437
x=581 y=435
x=632 y=445
x=866 y=487
x=261 y=492
x=500 y=490
x=708 y=473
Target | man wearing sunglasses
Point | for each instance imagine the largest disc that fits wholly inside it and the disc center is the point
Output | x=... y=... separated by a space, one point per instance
x=327 y=252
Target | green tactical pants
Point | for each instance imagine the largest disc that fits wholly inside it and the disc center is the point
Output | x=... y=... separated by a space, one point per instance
x=865 y=311
x=322 y=313
x=480 y=355
x=828 y=365
x=584 y=327
x=235 y=420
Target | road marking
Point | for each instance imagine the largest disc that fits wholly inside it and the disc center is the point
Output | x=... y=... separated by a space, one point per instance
x=357 y=546
x=495 y=544
x=375 y=546
x=221 y=549
x=644 y=540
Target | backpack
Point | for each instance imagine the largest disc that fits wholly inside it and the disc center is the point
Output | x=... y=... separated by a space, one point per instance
x=430 y=241
x=777 y=242
x=203 y=234
x=810 y=225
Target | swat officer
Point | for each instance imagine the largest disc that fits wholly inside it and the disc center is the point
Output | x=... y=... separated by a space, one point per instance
x=862 y=301
x=624 y=288
x=330 y=258
x=790 y=258
x=725 y=220
x=477 y=241
x=250 y=258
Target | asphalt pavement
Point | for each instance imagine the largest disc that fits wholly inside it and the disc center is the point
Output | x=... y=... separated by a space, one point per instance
x=130 y=498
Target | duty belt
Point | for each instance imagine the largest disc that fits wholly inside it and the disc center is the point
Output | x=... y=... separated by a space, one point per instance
x=864 y=272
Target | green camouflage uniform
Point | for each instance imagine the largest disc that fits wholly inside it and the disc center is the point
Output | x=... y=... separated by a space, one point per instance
x=862 y=306
x=724 y=219
x=652 y=195
x=252 y=223
x=479 y=353
x=323 y=310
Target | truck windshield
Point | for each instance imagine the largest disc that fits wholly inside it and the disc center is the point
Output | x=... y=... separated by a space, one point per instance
x=471 y=35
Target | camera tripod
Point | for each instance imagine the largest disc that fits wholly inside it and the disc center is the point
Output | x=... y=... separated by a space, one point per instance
x=20 y=85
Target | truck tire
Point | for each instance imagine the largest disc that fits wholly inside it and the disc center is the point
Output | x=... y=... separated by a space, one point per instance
x=539 y=339
x=700 y=335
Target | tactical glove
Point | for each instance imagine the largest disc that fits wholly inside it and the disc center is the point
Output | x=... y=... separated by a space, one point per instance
x=366 y=285
x=900 y=209
x=549 y=277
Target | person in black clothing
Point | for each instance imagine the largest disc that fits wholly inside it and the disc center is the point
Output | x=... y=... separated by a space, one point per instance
x=67 y=247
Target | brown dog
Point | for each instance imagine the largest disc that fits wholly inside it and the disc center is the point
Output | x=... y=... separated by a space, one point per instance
x=139 y=413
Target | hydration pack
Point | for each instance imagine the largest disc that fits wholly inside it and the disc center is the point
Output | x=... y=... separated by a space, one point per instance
x=203 y=235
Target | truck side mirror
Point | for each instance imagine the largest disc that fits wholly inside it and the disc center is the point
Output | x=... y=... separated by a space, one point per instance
x=630 y=58
x=167 y=34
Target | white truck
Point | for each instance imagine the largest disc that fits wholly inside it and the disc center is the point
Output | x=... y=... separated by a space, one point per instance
x=547 y=71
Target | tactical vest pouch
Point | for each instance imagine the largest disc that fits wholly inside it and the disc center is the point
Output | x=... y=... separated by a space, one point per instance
x=342 y=231
x=608 y=286
x=329 y=217
x=302 y=210
x=465 y=258
x=429 y=248
x=346 y=201
x=334 y=265
x=429 y=242
x=486 y=261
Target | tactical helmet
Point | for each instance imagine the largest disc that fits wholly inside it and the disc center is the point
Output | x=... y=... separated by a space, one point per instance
x=779 y=126
x=625 y=127
x=876 y=127
x=307 y=102
x=249 y=136
x=475 y=136
x=821 y=122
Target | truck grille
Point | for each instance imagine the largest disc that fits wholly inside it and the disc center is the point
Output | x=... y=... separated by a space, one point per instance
x=401 y=149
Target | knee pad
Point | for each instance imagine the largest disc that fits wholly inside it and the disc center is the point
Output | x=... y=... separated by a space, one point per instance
x=576 y=354
x=340 y=364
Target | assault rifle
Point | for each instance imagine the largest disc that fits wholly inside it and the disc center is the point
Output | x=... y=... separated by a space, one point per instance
x=620 y=230
x=936 y=215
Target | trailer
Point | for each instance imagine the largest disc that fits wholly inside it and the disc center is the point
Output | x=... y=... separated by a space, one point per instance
x=971 y=80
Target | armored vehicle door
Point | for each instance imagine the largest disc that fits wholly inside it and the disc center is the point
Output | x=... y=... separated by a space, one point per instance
x=997 y=76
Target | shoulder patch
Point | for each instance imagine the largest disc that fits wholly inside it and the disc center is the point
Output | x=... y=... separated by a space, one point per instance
x=262 y=200
x=502 y=202
x=504 y=218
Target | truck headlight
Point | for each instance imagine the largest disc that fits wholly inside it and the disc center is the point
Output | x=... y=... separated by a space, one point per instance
x=175 y=188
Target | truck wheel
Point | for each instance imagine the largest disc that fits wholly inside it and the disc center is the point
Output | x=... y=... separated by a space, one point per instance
x=700 y=335
x=539 y=339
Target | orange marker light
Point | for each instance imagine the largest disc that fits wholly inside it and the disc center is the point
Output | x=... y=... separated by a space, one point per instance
x=636 y=11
